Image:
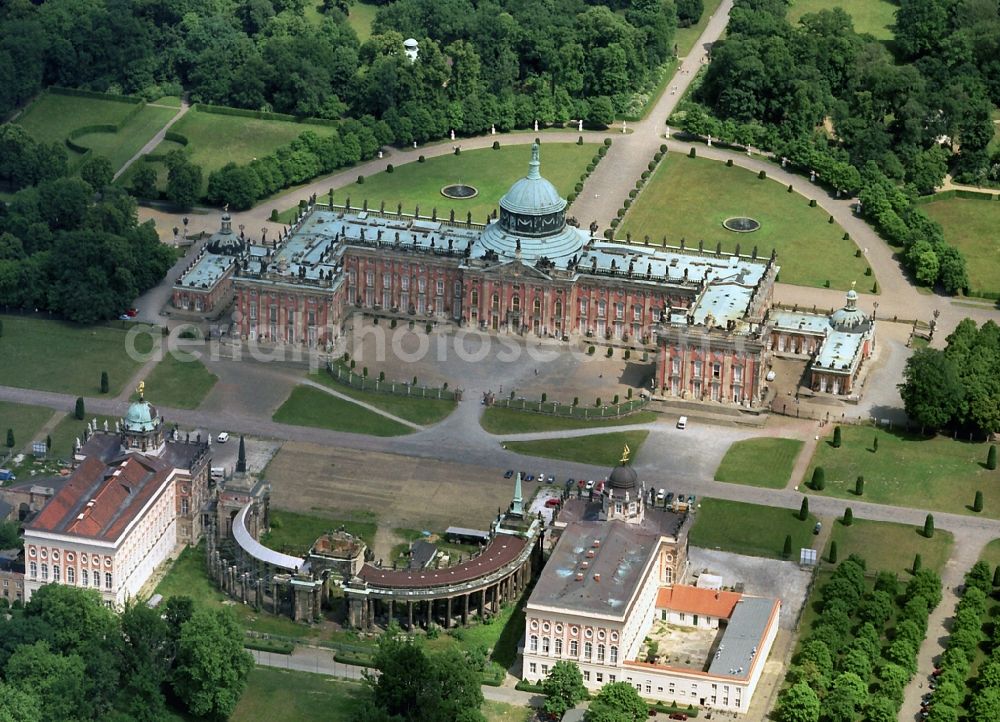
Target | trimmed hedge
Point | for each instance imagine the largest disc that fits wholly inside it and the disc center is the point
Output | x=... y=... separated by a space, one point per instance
x=269 y=645
x=56 y=90
x=263 y=115
x=354 y=659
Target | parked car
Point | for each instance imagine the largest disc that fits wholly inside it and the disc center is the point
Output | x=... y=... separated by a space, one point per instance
x=508 y=474
x=223 y=437
x=7 y=475
x=132 y=312
x=670 y=497
x=661 y=495
x=682 y=423
x=570 y=482
x=551 y=479
x=590 y=484
x=678 y=715
x=551 y=502
x=691 y=500
x=770 y=376
x=581 y=483
x=529 y=477
x=818 y=527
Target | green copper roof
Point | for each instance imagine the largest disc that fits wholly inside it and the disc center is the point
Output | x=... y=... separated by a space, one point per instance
x=140 y=417
x=533 y=195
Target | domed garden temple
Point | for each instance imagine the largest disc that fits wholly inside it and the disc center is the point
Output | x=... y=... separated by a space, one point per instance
x=527 y=270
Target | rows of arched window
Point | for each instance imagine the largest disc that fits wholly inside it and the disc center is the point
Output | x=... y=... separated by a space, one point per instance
x=604 y=654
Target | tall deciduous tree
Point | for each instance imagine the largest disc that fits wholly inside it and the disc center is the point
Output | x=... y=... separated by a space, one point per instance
x=210 y=672
x=932 y=390
x=620 y=698
x=97 y=172
x=563 y=688
x=798 y=703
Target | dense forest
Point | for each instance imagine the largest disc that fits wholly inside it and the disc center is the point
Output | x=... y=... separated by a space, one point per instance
x=888 y=120
x=62 y=252
x=503 y=62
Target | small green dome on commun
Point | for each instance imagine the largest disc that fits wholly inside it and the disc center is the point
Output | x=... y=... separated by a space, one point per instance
x=141 y=416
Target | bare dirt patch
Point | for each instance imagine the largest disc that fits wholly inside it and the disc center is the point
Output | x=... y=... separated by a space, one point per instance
x=399 y=491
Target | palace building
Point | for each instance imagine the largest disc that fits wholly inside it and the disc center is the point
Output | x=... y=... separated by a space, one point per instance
x=132 y=497
x=615 y=581
x=527 y=270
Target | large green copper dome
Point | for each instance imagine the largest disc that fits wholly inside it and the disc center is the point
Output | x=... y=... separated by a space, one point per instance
x=532 y=223
x=532 y=195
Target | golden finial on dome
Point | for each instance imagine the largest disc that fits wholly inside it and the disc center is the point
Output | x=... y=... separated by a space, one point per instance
x=141 y=388
x=626 y=452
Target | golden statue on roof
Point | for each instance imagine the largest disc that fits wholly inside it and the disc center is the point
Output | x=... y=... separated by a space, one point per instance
x=626 y=452
x=141 y=389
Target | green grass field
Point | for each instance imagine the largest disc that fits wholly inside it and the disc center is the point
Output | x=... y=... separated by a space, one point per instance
x=172 y=101
x=56 y=356
x=497 y=420
x=214 y=140
x=51 y=118
x=24 y=420
x=971 y=226
x=311 y=407
x=908 y=470
x=294 y=533
x=890 y=547
x=759 y=462
x=279 y=694
x=412 y=408
x=598 y=449
x=875 y=17
x=188 y=577
x=759 y=531
x=991 y=553
x=492 y=172
x=682 y=201
x=179 y=384
x=360 y=19
x=119 y=147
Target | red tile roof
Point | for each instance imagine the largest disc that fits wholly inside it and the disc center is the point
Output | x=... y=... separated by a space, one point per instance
x=118 y=490
x=709 y=602
x=503 y=550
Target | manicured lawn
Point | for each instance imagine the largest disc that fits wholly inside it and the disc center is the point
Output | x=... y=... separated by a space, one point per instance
x=24 y=420
x=279 y=694
x=294 y=533
x=497 y=420
x=188 y=577
x=55 y=356
x=682 y=201
x=492 y=172
x=685 y=38
x=51 y=118
x=214 y=140
x=597 y=449
x=875 y=17
x=971 y=226
x=890 y=547
x=360 y=19
x=119 y=147
x=174 y=101
x=759 y=531
x=312 y=407
x=412 y=408
x=178 y=383
x=759 y=462
x=908 y=470
x=502 y=712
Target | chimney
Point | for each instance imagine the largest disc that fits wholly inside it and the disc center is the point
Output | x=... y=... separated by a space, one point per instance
x=597 y=577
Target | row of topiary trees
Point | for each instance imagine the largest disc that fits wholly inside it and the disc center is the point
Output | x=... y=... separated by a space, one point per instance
x=948 y=701
x=844 y=669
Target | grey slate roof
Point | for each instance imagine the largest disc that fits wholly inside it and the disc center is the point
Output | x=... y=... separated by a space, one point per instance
x=742 y=638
